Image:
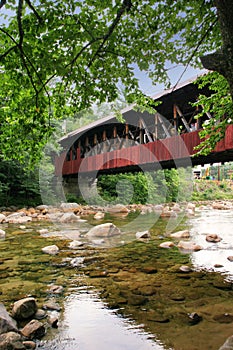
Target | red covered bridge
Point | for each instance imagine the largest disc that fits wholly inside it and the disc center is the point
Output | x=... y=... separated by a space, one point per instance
x=165 y=139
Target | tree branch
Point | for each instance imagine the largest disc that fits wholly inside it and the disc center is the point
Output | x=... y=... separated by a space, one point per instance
x=2 y=3
x=19 y=20
x=7 y=52
x=28 y=2
x=194 y=52
x=124 y=7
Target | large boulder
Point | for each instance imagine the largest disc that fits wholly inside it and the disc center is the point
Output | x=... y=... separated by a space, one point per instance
x=24 y=308
x=33 y=330
x=104 y=230
x=7 y=323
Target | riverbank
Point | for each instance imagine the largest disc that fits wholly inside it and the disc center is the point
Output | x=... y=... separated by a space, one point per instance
x=134 y=279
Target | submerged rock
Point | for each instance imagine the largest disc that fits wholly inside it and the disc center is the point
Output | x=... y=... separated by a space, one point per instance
x=104 y=230
x=24 y=308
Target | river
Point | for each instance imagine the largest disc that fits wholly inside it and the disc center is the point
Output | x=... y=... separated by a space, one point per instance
x=100 y=312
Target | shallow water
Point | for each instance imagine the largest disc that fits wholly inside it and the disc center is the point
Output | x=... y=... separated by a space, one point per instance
x=88 y=325
x=89 y=320
x=213 y=222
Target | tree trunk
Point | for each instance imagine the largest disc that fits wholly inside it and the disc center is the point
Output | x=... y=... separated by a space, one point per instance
x=222 y=60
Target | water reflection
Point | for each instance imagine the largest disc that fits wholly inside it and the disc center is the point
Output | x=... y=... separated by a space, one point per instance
x=89 y=325
x=213 y=222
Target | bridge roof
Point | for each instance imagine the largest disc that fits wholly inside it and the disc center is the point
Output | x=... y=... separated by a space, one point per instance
x=187 y=86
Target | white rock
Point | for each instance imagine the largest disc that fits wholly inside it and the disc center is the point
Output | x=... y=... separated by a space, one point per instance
x=69 y=206
x=181 y=234
x=2 y=218
x=191 y=206
x=75 y=244
x=99 y=215
x=144 y=234
x=51 y=249
x=166 y=245
x=43 y=231
x=104 y=230
x=118 y=208
x=189 y=212
x=18 y=218
x=77 y=261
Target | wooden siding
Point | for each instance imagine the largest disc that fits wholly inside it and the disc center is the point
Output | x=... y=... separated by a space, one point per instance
x=173 y=148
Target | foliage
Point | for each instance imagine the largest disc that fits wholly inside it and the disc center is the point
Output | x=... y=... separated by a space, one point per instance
x=151 y=187
x=18 y=186
x=57 y=58
x=219 y=105
x=212 y=190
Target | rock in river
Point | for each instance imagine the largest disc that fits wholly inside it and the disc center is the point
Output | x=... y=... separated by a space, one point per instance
x=50 y=249
x=104 y=230
x=228 y=345
x=34 y=329
x=189 y=246
x=24 y=308
x=181 y=234
x=11 y=340
x=143 y=234
x=213 y=238
x=7 y=324
x=166 y=245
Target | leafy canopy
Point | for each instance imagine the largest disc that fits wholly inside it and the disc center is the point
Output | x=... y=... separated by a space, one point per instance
x=59 y=57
